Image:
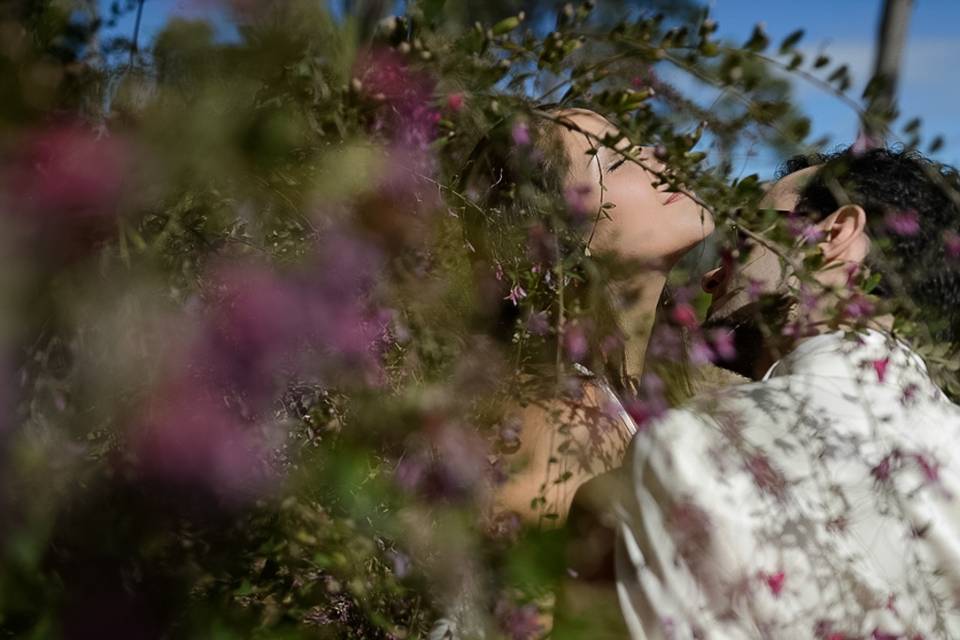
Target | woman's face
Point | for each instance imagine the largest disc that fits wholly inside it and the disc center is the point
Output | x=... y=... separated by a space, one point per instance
x=647 y=223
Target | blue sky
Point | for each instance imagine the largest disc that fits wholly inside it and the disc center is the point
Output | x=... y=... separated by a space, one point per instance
x=845 y=29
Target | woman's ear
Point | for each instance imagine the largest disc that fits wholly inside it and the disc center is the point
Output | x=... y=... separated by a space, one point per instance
x=845 y=235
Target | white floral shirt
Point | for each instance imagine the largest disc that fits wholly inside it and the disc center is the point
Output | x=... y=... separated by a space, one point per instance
x=822 y=502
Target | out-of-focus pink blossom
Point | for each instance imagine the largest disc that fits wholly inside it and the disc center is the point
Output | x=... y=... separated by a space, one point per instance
x=903 y=223
x=67 y=171
x=578 y=202
x=684 y=315
x=642 y=412
x=538 y=323
x=864 y=142
x=189 y=436
x=541 y=245
x=518 y=623
x=408 y=117
x=575 y=342
x=723 y=344
x=700 y=352
x=611 y=344
x=455 y=102
x=450 y=464
x=800 y=228
x=517 y=293
x=951 y=243
x=858 y=307
x=520 y=134
x=498 y=270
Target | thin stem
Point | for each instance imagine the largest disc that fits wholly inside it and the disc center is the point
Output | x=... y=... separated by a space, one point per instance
x=136 y=31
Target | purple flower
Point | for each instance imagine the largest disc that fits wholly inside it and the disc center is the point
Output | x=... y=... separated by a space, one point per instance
x=517 y=293
x=858 y=307
x=723 y=345
x=538 y=323
x=518 y=623
x=904 y=223
x=951 y=242
x=684 y=315
x=520 y=133
x=455 y=102
x=864 y=143
x=579 y=202
x=70 y=171
x=700 y=352
x=575 y=342
x=188 y=435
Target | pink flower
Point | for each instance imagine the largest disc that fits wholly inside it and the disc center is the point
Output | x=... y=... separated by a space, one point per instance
x=904 y=223
x=951 y=242
x=723 y=345
x=802 y=230
x=642 y=412
x=190 y=436
x=408 y=116
x=700 y=353
x=880 y=366
x=518 y=623
x=575 y=342
x=775 y=582
x=684 y=315
x=70 y=171
x=538 y=323
x=864 y=143
x=520 y=134
x=517 y=293
x=578 y=202
x=858 y=307
x=455 y=102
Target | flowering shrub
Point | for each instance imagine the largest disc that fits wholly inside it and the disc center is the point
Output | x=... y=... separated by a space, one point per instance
x=267 y=329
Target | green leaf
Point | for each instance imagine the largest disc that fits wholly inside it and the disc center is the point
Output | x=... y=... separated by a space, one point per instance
x=790 y=41
x=758 y=40
x=506 y=25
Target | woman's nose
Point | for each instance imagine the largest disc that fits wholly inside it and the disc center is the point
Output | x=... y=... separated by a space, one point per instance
x=714 y=281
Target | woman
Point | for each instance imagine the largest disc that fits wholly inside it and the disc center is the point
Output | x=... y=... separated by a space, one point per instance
x=632 y=215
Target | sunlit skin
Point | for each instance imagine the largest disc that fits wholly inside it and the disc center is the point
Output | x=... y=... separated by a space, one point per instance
x=652 y=229
x=844 y=243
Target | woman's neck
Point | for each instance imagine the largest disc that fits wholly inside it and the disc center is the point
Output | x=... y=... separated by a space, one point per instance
x=636 y=308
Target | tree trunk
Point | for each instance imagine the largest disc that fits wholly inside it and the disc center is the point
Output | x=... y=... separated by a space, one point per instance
x=882 y=91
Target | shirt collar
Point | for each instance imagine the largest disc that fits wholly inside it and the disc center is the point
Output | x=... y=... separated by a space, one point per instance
x=863 y=356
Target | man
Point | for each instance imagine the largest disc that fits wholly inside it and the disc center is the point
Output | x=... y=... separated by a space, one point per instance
x=824 y=500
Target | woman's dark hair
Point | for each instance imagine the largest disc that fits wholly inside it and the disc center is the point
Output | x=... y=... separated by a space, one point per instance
x=888 y=184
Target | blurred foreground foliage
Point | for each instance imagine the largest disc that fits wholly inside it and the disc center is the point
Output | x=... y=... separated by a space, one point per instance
x=254 y=380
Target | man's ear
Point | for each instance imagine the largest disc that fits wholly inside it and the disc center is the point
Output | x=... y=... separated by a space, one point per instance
x=845 y=235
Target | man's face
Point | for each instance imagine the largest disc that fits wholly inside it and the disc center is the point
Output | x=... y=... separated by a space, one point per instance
x=735 y=287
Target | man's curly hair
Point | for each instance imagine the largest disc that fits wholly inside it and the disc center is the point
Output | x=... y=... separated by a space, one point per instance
x=888 y=182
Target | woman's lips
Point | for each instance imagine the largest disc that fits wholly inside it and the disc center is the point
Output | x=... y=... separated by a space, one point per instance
x=673 y=197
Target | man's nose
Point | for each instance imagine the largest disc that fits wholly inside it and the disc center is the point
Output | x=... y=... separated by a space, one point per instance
x=714 y=282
